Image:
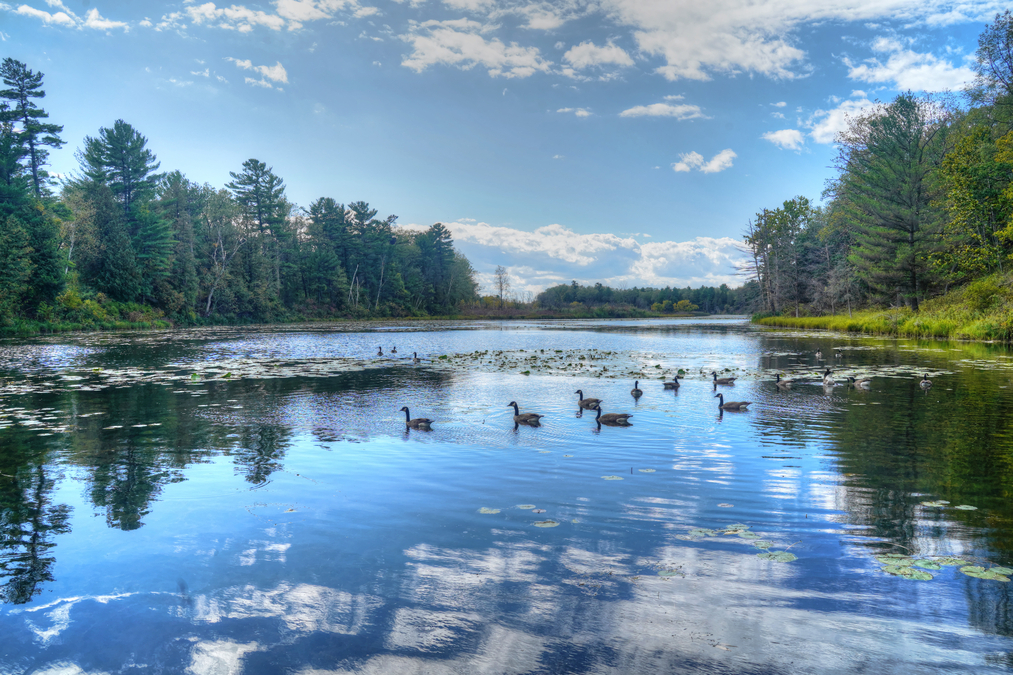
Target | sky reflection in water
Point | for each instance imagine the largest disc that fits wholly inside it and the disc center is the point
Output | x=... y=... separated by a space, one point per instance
x=307 y=532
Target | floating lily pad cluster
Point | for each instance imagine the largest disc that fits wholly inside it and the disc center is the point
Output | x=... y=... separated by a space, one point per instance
x=916 y=569
x=942 y=503
x=485 y=510
x=741 y=531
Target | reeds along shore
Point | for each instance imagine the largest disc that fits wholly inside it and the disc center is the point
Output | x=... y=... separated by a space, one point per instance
x=982 y=310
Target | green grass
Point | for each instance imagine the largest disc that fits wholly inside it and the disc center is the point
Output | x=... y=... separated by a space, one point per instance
x=982 y=310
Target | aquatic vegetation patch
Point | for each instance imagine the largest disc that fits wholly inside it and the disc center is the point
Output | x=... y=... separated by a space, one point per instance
x=777 y=556
x=545 y=523
x=487 y=510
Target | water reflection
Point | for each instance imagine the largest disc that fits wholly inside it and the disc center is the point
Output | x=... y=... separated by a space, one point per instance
x=321 y=536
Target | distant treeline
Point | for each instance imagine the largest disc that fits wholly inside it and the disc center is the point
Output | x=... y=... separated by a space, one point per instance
x=708 y=299
x=922 y=202
x=121 y=242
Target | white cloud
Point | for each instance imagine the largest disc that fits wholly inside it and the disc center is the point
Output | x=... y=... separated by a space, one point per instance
x=556 y=254
x=906 y=69
x=459 y=43
x=58 y=18
x=579 y=112
x=682 y=111
x=94 y=20
x=786 y=139
x=694 y=160
x=201 y=73
x=258 y=83
x=779 y=104
x=236 y=17
x=276 y=72
x=587 y=55
x=825 y=124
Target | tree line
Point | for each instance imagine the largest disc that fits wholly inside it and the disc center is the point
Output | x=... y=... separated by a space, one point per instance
x=119 y=239
x=922 y=200
x=709 y=299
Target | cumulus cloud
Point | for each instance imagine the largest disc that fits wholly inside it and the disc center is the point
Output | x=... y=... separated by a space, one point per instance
x=907 y=69
x=556 y=254
x=587 y=55
x=460 y=43
x=65 y=17
x=579 y=112
x=786 y=139
x=683 y=111
x=94 y=20
x=57 y=18
x=694 y=160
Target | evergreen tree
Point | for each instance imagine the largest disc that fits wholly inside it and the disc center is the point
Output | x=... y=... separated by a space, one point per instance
x=119 y=158
x=24 y=85
x=15 y=267
x=261 y=196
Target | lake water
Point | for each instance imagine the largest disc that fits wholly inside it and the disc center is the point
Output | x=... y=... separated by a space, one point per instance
x=249 y=501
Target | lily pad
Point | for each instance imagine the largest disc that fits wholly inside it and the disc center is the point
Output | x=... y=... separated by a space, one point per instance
x=748 y=535
x=525 y=506
x=965 y=507
x=646 y=470
x=950 y=561
x=777 y=556
x=1005 y=571
x=927 y=564
x=938 y=504
x=485 y=509
x=701 y=532
x=612 y=477
x=546 y=523
x=980 y=572
x=763 y=543
x=898 y=561
x=907 y=573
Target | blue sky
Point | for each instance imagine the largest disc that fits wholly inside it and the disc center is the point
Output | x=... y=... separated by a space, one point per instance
x=623 y=141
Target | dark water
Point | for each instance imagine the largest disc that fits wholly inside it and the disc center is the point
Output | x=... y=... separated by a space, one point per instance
x=287 y=523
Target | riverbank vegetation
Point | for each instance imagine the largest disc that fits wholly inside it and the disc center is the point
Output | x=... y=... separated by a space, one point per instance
x=917 y=226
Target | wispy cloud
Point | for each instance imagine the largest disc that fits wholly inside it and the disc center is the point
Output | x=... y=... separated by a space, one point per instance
x=691 y=161
x=461 y=43
x=275 y=73
x=682 y=111
x=579 y=112
x=907 y=69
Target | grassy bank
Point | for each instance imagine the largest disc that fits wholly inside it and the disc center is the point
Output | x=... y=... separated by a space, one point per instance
x=982 y=310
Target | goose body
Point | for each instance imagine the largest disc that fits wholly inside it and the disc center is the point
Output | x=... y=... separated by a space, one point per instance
x=612 y=419
x=586 y=403
x=783 y=384
x=926 y=382
x=819 y=355
x=722 y=380
x=379 y=351
x=415 y=357
x=839 y=354
x=864 y=383
x=828 y=378
x=636 y=392
x=524 y=418
x=393 y=350
x=418 y=422
x=674 y=384
x=731 y=405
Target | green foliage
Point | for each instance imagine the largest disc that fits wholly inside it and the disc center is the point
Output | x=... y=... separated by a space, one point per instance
x=119 y=159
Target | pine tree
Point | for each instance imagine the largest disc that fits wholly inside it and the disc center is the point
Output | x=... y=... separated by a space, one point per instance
x=25 y=85
x=119 y=158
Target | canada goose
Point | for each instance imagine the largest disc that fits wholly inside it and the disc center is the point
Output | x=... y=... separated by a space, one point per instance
x=526 y=418
x=926 y=382
x=782 y=384
x=731 y=405
x=418 y=422
x=393 y=350
x=839 y=354
x=636 y=392
x=819 y=355
x=379 y=352
x=586 y=403
x=828 y=379
x=674 y=384
x=415 y=357
x=864 y=383
x=722 y=380
x=612 y=419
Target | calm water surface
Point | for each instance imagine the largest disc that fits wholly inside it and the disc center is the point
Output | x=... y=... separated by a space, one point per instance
x=283 y=521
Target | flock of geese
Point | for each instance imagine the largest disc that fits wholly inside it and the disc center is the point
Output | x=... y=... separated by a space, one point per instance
x=608 y=419
x=623 y=419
